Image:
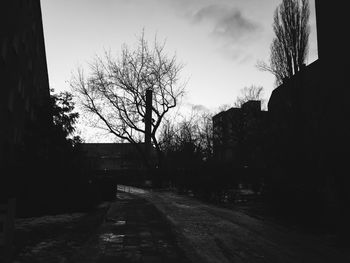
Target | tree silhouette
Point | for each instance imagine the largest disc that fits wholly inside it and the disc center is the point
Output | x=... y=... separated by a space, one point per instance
x=63 y=116
x=249 y=93
x=289 y=48
x=115 y=91
x=51 y=155
x=193 y=132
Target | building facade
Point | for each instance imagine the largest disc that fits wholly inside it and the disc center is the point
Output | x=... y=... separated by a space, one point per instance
x=238 y=134
x=309 y=115
x=115 y=158
x=24 y=77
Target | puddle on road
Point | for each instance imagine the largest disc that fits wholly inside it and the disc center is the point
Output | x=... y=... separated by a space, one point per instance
x=181 y=205
x=44 y=245
x=112 y=238
x=46 y=251
x=120 y=223
x=116 y=222
x=123 y=196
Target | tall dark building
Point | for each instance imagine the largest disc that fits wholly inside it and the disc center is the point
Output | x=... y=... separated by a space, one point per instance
x=309 y=111
x=24 y=77
x=309 y=116
x=238 y=135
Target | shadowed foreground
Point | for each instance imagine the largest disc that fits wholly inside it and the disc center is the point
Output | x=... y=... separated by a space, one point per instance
x=55 y=238
x=212 y=234
x=133 y=231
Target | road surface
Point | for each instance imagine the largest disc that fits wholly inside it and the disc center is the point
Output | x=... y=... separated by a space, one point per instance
x=211 y=234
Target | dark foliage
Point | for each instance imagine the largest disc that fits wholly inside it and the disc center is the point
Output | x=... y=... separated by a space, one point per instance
x=51 y=173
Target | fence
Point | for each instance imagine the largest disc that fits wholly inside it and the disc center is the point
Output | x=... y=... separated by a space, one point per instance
x=7 y=226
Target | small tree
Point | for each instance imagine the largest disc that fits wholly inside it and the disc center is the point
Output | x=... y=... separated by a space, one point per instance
x=289 y=48
x=64 y=117
x=114 y=91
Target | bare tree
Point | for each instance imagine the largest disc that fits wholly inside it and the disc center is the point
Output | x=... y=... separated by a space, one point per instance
x=223 y=107
x=289 y=48
x=249 y=93
x=114 y=92
x=168 y=136
x=206 y=134
x=194 y=130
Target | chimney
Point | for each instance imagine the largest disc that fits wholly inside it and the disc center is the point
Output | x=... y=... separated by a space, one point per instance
x=148 y=117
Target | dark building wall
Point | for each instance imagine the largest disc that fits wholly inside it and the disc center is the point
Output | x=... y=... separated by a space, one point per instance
x=226 y=131
x=295 y=110
x=238 y=134
x=332 y=40
x=309 y=142
x=311 y=109
x=309 y=119
x=334 y=59
x=24 y=77
x=114 y=157
x=252 y=135
x=224 y=140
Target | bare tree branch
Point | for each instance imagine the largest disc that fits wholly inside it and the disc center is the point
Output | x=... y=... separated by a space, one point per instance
x=249 y=93
x=289 y=48
x=114 y=91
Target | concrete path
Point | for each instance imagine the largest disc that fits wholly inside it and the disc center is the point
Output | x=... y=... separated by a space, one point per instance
x=133 y=231
x=211 y=234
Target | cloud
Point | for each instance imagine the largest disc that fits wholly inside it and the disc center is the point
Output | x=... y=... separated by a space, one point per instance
x=235 y=52
x=196 y=107
x=231 y=29
x=233 y=33
x=227 y=22
x=199 y=107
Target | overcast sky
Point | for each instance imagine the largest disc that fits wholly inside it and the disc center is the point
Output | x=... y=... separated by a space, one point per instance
x=219 y=41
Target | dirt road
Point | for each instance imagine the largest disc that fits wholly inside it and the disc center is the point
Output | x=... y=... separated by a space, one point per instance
x=211 y=234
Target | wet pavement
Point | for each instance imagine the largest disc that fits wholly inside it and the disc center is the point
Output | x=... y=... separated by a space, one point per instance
x=54 y=238
x=161 y=226
x=133 y=231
